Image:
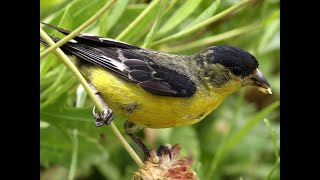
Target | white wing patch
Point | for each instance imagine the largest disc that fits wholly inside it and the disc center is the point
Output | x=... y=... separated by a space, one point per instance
x=112 y=40
x=117 y=64
x=86 y=34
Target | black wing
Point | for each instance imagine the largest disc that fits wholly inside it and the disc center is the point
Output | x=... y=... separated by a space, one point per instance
x=131 y=63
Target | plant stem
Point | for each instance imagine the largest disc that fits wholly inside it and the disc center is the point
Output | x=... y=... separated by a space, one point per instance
x=273 y=137
x=213 y=39
x=74 y=157
x=91 y=94
x=54 y=85
x=155 y=25
x=78 y=30
x=274 y=167
x=152 y=5
x=203 y=24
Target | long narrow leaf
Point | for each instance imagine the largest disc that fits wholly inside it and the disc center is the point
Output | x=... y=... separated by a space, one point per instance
x=206 y=13
x=274 y=137
x=112 y=17
x=139 y=22
x=74 y=159
x=179 y=15
x=212 y=39
x=233 y=140
x=151 y=33
x=199 y=26
x=274 y=167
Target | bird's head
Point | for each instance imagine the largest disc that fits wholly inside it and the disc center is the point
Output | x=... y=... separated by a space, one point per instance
x=228 y=68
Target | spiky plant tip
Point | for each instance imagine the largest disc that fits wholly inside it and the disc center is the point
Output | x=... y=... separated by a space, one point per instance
x=164 y=164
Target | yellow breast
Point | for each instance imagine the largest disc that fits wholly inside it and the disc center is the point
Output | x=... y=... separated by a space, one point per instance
x=149 y=110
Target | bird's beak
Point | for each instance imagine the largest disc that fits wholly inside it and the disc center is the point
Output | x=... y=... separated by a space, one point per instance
x=257 y=79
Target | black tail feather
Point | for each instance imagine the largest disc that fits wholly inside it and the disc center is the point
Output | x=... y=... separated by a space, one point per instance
x=43 y=42
x=94 y=40
x=63 y=31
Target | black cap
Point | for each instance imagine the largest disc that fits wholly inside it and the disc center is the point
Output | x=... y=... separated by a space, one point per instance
x=239 y=61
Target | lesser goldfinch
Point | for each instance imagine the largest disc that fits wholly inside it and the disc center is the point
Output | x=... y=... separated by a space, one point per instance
x=153 y=89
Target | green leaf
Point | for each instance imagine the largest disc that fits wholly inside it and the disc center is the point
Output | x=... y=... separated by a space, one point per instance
x=273 y=136
x=235 y=138
x=131 y=12
x=199 y=26
x=74 y=159
x=44 y=124
x=48 y=7
x=56 y=140
x=179 y=15
x=61 y=90
x=55 y=84
x=140 y=25
x=81 y=96
x=47 y=64
x=211 y=40
x=270 y=39
x=170 y=6
x=275 y=166
x=206 y=13
x=151 y=33
x=75 y=13
x=112 y=17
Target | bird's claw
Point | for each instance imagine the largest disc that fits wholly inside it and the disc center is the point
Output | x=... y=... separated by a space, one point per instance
x=102 y=118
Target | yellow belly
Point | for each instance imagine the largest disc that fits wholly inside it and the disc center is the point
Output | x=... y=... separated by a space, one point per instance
x=153 y=111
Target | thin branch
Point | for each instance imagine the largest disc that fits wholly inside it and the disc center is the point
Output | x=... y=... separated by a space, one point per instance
x=91 y=94
x=79 y=29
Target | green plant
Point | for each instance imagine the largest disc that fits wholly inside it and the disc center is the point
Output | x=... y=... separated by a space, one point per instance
x=230 y=143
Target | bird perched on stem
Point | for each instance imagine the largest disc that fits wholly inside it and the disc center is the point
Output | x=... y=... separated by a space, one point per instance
x=152 y=89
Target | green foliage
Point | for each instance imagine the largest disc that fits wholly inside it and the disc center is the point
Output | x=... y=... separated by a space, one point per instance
x=230 y=143
x=178 y=16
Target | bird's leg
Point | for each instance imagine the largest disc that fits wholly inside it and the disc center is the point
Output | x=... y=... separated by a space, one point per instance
x=130 y=129
x=104 y=117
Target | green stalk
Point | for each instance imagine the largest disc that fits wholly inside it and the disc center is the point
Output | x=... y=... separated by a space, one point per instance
x=152 y=5
x=78 y=30
x=213 y=39
x=74 y=157
x=273 y=137
x=274 y=167
x=57 y=93
x=155 y=25
x=91 y=94
x=54 y=85
x=203 y=24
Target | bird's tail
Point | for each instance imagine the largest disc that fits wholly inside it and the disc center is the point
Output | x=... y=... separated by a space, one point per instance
x=55 y=39
x=64 y=47
x=93 y=40
x=63 y=31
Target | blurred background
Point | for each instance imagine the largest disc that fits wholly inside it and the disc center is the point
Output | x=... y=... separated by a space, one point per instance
x=239 y=140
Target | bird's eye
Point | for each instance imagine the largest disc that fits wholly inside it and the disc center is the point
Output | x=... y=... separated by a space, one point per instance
x=236 y=71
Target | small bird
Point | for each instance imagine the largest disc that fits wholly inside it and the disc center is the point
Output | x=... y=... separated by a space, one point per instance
x=153 y=89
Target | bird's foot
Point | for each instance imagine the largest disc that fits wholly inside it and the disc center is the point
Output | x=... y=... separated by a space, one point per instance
x=102 y=118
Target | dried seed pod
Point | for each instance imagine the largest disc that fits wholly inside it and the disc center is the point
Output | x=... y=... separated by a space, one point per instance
x=165 y=165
